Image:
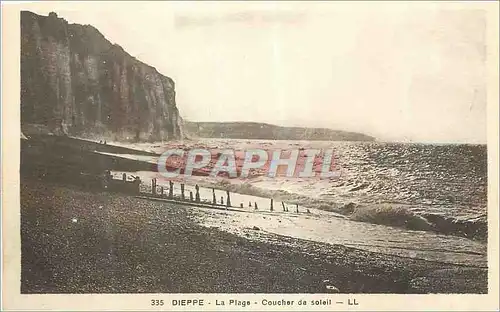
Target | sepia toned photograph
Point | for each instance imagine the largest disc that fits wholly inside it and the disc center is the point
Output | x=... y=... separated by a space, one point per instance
x=267 y=148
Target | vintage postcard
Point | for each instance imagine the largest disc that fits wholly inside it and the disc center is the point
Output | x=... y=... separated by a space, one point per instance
x=248 y=156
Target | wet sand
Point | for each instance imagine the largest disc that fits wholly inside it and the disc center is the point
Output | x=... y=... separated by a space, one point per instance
x=76 y=241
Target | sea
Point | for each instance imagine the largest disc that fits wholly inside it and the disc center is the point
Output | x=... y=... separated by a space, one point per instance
x=389 y=197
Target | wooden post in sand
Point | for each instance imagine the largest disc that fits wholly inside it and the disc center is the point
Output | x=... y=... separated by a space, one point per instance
x=153 y=186
x=161 y=191
x=124 y=177
x=241 y=205
x=137 y=183
x=297 y=208
x=222 y=200
x=197 y=193
x=170 y=189
x=182 y=192
x=271 y=208
x=255 y=206
x=214 y=199
x=249 y=204
x=191 y=195
x=228 y=200
x=283 y=205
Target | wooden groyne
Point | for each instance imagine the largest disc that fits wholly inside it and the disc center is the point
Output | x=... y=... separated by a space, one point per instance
x=158 y=193
x=167 y=194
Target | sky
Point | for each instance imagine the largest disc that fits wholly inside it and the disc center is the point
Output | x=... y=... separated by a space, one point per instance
x=400 y=71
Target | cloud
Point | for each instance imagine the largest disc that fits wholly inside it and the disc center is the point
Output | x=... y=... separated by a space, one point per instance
x=248 y=18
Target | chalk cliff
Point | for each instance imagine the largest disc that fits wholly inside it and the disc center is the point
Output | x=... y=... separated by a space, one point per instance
x=75 y=82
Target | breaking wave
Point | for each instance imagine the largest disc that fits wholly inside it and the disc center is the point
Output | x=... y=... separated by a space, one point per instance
x=400 y=216
x=388 y=214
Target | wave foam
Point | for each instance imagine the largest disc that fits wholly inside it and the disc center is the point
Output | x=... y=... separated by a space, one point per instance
x=384 y=214
x=391 y=215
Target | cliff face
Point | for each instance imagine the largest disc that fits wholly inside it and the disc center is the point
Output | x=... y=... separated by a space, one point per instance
x=75 y=82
